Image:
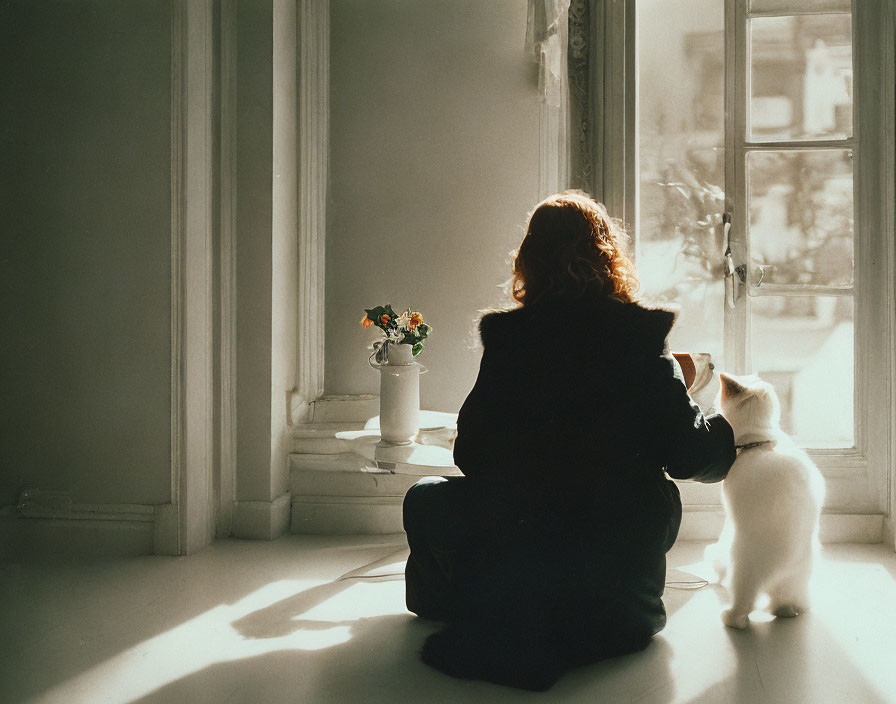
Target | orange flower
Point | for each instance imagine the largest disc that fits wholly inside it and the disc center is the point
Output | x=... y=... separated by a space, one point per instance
x=384 y=319
x=366 y=322
x=416 y=319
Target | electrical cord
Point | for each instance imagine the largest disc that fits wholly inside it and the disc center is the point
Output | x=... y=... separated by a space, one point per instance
x=358 y=573
x=689 y=586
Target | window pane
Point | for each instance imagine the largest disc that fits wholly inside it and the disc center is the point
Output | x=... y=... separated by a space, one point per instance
x=681 y=95
x=800 y=77
x=803 y=345
x=799 y=5
x=801 y=216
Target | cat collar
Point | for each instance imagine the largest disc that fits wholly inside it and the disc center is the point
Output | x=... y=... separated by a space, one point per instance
x=751 y=445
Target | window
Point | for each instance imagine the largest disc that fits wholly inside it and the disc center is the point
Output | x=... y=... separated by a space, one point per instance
x=758 y=127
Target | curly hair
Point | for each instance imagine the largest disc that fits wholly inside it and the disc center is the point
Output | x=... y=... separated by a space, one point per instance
x=572 y=249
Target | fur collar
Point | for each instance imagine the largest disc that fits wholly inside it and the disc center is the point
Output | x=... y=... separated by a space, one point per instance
x=586 y=323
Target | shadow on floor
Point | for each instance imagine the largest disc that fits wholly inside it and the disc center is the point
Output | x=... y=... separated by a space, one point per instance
x=798 y=660
x=378 y=663
x=281 y=618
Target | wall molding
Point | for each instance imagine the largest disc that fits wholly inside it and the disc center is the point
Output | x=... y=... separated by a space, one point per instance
x=170 y=523
x=188 y=525
x=347 y=515
x=313 y=20
x=261 y=520
x=88 y=512
x=226 y=484
x=51 y=525
x=22 y=538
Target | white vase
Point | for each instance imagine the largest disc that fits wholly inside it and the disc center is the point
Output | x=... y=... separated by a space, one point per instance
x=399 y=395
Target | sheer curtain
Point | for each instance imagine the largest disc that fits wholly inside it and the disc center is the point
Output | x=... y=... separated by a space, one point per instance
x=586 y=112
x=601 y=105
x=547 y=41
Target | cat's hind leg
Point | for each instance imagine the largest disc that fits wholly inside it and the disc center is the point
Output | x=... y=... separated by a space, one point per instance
x=746 y=581
x=790 y=594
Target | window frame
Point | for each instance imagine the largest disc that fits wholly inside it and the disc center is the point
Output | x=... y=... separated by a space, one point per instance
x=862 y=479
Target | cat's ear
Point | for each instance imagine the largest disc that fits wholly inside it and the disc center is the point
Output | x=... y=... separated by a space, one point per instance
x=765 y=391
x=730 y=385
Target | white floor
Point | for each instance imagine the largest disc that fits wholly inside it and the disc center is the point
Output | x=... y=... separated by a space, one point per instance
x=272 y=622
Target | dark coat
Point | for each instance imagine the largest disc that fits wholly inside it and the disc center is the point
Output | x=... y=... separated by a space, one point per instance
x=572 y=403
x=565 y=439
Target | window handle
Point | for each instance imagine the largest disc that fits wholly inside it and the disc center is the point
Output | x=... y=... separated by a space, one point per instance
x=728 y=263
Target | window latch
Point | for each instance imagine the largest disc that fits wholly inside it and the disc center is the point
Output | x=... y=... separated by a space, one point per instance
x=728 y=264
x=762 y=269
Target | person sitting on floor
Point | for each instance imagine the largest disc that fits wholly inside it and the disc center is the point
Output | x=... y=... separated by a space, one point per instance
x=550 y=551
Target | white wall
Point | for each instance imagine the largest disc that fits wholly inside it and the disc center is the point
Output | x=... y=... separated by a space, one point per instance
x=85 y=260
x=434 y=167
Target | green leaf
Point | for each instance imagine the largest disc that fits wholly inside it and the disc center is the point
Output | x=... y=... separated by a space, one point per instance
x=375 y=313
x=417 y=349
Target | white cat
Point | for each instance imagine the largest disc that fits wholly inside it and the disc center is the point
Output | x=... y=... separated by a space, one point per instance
x=773 y=496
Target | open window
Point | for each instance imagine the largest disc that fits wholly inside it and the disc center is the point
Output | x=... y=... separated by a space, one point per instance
x=763 y=129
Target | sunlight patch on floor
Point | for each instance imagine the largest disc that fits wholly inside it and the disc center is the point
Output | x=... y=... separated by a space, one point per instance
x=849 y=588
x=212 y=637
x=690 y=650
x=834 y=652
x=360 y=600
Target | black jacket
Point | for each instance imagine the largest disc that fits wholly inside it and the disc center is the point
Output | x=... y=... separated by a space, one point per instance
x=577 y=404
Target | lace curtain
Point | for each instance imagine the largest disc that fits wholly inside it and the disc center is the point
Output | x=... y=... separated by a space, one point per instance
x=546 y=39
x=579 y=119
x=546 y=42
x=558 y=38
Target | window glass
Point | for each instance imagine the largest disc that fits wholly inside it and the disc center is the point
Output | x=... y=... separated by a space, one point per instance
x=799 y=5
x=803 y=345
x=801 y=216
x=681 y=93
x=800 y=77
